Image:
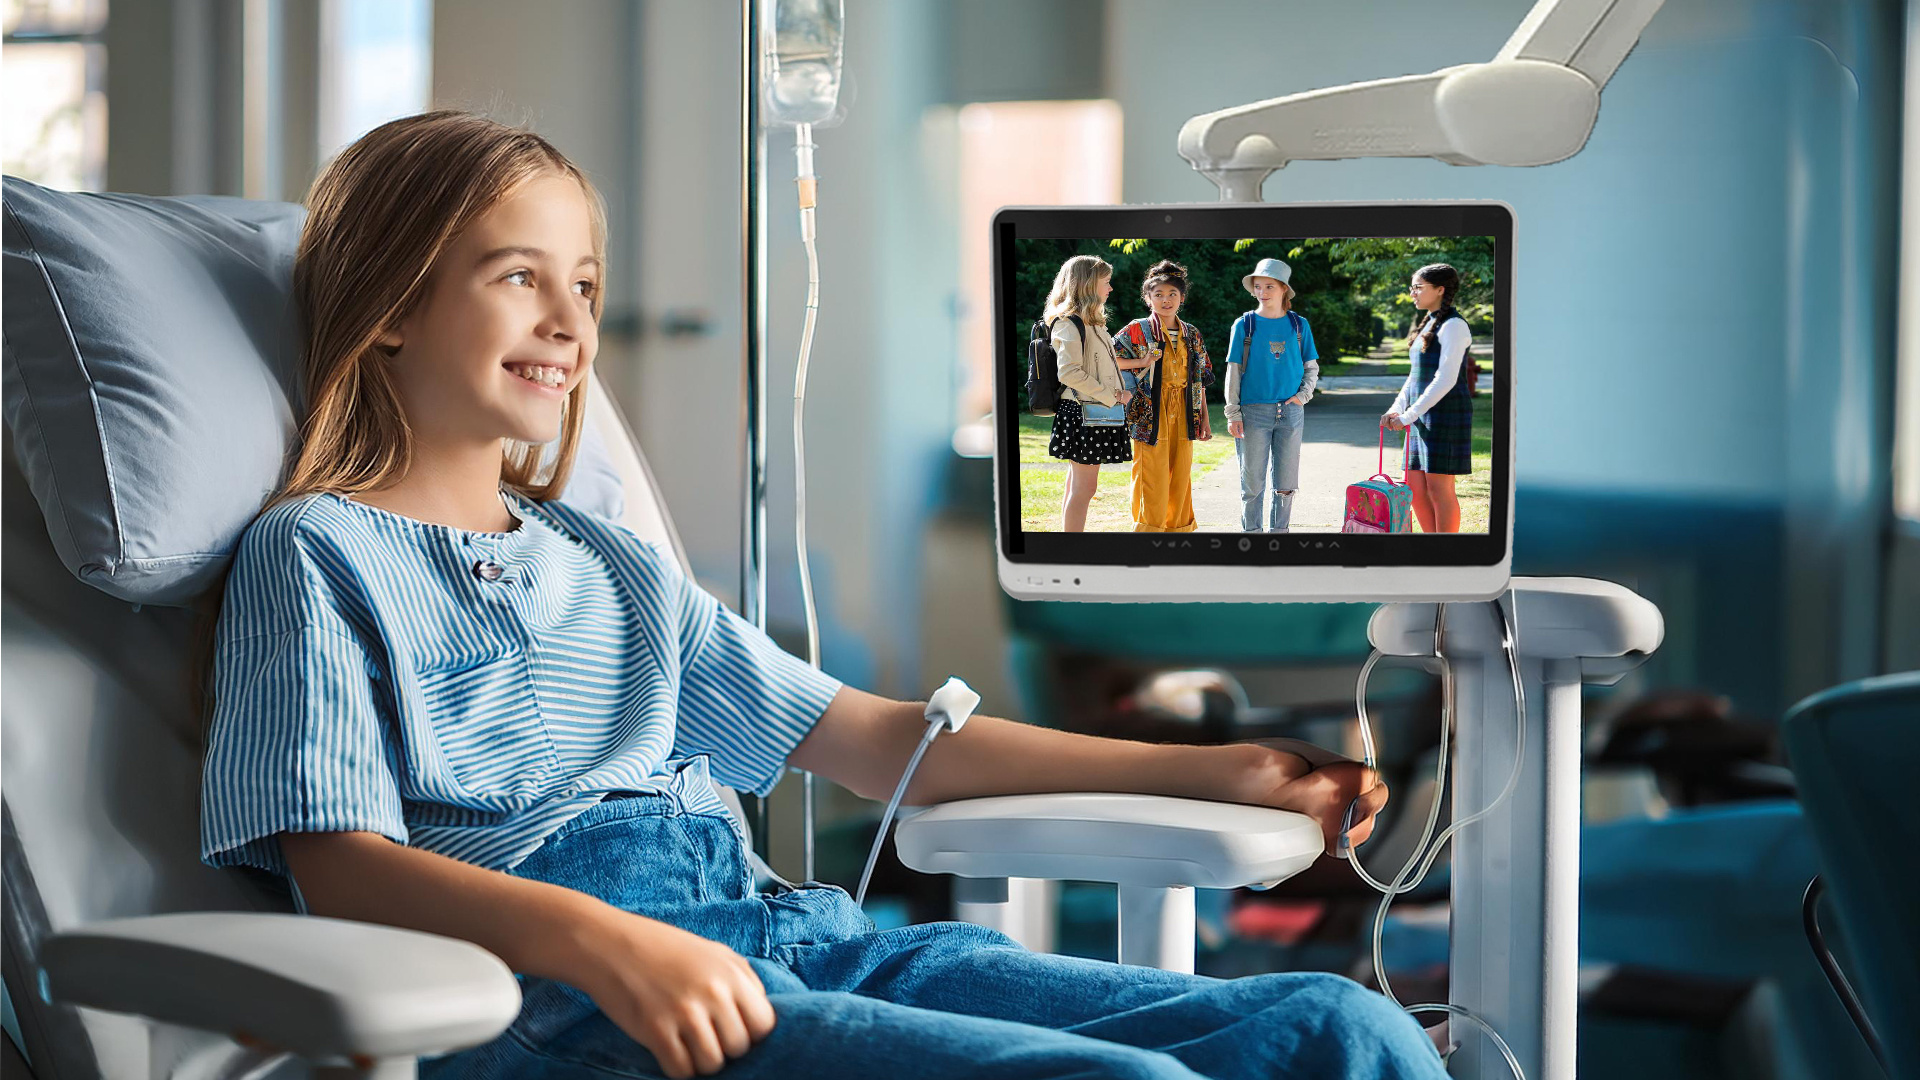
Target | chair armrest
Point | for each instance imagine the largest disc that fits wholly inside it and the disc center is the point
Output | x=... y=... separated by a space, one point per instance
x=316 y=986
x=1153 y=841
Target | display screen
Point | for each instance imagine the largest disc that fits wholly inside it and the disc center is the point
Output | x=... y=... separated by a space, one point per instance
x=1333 y=392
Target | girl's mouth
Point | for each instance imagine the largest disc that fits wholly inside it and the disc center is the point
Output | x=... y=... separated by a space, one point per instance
x=544 y=383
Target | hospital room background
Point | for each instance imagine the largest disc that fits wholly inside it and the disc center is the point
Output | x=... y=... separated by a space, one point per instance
x=1716 y=352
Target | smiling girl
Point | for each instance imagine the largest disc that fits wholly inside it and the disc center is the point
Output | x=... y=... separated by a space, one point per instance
x=443 y=699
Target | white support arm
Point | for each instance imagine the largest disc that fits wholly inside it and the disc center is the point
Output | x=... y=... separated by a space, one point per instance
x=325 y=989
x=1533 y=104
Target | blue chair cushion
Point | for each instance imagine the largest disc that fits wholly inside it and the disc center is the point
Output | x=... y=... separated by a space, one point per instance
x=150 y=357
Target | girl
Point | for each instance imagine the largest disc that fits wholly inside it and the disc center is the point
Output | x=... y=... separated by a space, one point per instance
x=444 y=700
x=1174 y=389
x=1272 y=368
x=1439 y=422
x=1076 y=312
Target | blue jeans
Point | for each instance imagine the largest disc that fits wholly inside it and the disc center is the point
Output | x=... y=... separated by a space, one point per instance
x=1269 y=446
x=930 y=1002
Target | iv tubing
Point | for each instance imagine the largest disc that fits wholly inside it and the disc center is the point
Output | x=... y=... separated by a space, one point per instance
x=1408 y=878
x=803 y=154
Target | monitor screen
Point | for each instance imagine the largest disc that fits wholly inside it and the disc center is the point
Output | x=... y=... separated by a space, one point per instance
x=1255 y=386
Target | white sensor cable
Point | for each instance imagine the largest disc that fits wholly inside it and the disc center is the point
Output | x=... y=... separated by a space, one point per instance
x=948 y=709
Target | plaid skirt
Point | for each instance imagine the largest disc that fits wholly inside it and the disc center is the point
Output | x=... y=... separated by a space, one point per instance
x=1442 y=440
x=1083 y=445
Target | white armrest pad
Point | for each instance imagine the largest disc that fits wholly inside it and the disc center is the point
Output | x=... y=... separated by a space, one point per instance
x=1146 y=840
x=316 y=986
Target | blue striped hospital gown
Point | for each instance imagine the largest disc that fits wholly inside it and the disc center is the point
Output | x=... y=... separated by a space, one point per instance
x=373 y=672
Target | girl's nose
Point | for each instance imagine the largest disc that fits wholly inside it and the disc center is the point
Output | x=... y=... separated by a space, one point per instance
x=567 y=320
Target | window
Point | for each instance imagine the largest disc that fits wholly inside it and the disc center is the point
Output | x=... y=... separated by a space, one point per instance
x=376 y=63
x=53 y=77
x=1010 y=154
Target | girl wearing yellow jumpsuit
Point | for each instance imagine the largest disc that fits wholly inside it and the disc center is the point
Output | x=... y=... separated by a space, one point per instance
x=1165 y=362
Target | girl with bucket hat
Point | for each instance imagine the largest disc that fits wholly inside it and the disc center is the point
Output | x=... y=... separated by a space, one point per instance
x=1168 y=413
x=1272 y=368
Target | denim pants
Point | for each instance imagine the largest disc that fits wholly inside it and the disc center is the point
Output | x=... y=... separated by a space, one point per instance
x=936 y=1001
x=1269 y=446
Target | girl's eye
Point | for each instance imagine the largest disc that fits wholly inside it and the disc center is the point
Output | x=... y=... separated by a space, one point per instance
x=590 y=290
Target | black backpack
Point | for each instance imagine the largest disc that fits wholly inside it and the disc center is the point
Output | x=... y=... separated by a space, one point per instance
x=1043 y=366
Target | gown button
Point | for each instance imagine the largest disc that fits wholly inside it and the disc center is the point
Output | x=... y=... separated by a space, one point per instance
x=487 y=570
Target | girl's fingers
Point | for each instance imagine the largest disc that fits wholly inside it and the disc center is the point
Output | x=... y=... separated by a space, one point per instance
x=730 y=1029
x=703 y=1045
x=671 y=1053
x=757 y=1012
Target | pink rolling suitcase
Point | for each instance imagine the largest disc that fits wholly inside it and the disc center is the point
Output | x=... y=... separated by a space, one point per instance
x=1379 y=504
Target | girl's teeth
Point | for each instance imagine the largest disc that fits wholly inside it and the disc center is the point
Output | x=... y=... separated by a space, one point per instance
x=549 y=377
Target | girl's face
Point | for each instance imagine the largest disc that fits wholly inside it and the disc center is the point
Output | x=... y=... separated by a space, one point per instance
x=1426 y=296
x=1103 y=286
x=1268 y=291
x=514 y=293
x=1165 y=300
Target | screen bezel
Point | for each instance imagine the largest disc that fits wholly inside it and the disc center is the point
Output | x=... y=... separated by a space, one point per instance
x=1207 y=222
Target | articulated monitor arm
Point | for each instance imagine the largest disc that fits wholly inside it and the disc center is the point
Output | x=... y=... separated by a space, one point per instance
x=1533 y=104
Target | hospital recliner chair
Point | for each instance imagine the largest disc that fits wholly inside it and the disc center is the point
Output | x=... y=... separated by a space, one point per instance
x=110 y=918
x=1854 y=749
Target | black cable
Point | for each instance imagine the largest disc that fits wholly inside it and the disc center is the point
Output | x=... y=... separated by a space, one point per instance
x=1810 y=918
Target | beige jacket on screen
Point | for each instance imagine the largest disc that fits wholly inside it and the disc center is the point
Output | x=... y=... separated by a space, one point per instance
x=1092 y=374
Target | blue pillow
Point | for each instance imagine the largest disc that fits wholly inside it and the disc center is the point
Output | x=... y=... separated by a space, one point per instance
x=150 y=359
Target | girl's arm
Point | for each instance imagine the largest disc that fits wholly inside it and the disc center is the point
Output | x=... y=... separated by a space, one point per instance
x=534 y=926
x=863 y=742
x=1129 y=357
x=1234 y=373
x=1073 y=365
x=1454 y=339
x=1199 y=344
x=694 y=1003
x=1309 y=363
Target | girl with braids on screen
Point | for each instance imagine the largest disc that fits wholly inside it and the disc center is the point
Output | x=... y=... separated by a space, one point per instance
x=1439 y=420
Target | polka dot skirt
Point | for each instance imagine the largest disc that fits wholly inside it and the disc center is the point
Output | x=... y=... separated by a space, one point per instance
x=1082 y=445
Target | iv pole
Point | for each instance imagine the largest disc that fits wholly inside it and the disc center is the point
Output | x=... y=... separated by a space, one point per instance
x=753 y=368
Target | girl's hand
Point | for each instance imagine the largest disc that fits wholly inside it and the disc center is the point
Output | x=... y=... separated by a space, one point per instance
x=1270 y=777
x=1235 y=428
x=1393 y=423
x=693 y=1003
x=1297 y=399
x=1126 y=396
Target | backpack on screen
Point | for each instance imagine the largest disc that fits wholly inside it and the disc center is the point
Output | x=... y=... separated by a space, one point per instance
x=1379 y=504
x=1043 y=366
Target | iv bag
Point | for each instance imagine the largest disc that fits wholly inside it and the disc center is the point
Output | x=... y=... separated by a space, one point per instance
x=801 y=55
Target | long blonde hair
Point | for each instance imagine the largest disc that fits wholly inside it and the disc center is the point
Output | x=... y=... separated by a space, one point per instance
x=379 y=218
x=1075 y=290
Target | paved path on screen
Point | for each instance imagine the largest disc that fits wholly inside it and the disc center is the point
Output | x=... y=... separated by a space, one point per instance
x=1340 y=447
